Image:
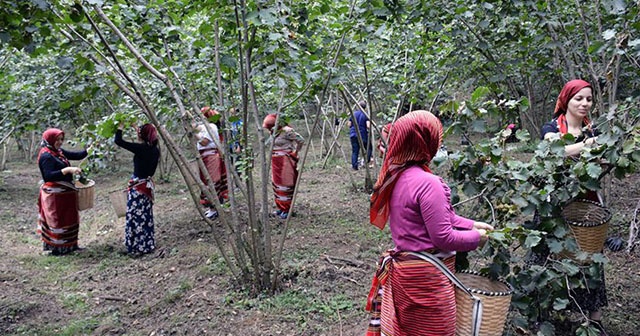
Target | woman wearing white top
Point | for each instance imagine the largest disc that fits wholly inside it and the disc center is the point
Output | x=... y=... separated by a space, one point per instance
x=208 y=149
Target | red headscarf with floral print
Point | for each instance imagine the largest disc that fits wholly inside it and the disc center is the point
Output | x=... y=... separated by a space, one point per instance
x=415 y=140
x=568 y=91
x=49 y=138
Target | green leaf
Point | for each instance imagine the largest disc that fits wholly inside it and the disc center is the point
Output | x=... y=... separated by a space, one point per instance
x=107 y=129
x=498 y=236
x=519 y=176
x=546 y=328
x=569 y=268
x=478 y=126
x=623 y=162
x=628 y=146
x=532 y=241
x=560 y=304
x=599 y=258
x=555 y=246
x=519 y=201
x=276 y=37
x=267 y=17
x=205 y=28
x=76 y=14
x=470 y=188
x=594 y=170
x=595 y=47
x=41 y=4
x=478 y=94
x=608 y=34
x=560 y=231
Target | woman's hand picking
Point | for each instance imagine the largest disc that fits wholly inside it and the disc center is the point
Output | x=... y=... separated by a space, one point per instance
x=71 y=170
x=482 y=226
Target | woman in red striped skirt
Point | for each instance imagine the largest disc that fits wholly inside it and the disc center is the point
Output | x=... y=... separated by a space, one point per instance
x=410 y=296
x=284 y=163
x=58 y=219
x=211 y=157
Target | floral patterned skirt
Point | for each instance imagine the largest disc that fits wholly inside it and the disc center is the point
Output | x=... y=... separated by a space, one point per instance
x=139 y=230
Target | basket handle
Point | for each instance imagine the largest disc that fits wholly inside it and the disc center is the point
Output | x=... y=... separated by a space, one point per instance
x=477 y=303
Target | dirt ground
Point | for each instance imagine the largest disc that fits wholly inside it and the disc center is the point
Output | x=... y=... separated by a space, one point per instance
x=184 y=288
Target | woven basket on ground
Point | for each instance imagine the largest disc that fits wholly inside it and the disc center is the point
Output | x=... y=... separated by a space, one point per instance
x=495 y=296
x=86 y=194
x=118 y=200
x=589 y=222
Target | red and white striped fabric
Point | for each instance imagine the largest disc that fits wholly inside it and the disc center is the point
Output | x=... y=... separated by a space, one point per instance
x=417 y=298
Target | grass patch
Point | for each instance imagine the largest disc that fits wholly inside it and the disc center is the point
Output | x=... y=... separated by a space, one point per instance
x=13 y=309
x=298 y=304
x=214 y=266
x=75 y=327
x=50 y=268
x=178 y=292
x=303 y=306
x=75 y=301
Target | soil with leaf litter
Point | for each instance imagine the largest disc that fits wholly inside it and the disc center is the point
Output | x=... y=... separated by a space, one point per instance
x=184 y=288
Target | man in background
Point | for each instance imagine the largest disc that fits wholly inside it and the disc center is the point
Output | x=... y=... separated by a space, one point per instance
x=359 y=123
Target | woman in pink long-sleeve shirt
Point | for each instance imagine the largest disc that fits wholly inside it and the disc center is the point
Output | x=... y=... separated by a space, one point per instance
x=421 y=216
x=410 y=296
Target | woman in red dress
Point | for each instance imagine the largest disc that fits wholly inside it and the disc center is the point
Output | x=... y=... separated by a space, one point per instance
x=58 y=220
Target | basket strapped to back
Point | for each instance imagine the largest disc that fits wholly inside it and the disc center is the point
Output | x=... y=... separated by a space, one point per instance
x=477 y=303
x=588 y=222
x=118 y=200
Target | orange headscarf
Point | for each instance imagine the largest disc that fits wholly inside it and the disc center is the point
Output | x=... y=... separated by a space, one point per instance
x=568 y=91
x=415 y=140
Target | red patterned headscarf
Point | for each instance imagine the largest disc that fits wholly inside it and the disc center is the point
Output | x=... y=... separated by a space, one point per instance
x=270 y=121
x=208 y=112
x=148 y=134
x=48 y=144
x=415 y=140
x=568 y=91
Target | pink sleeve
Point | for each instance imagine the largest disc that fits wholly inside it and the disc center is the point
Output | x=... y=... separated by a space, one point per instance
x=440 y=220
x=462 y=223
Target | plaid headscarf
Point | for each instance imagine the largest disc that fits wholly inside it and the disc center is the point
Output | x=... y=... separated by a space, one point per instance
x=415 y=140
x=48 y=144
x=568 y=91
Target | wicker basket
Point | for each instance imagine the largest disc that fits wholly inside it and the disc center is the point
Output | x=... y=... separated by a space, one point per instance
x=86 y=194
x=589 y=222
x=496 y=299
x=118 y=200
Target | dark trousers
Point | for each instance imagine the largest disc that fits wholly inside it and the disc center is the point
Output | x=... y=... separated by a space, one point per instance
x=355 y=150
